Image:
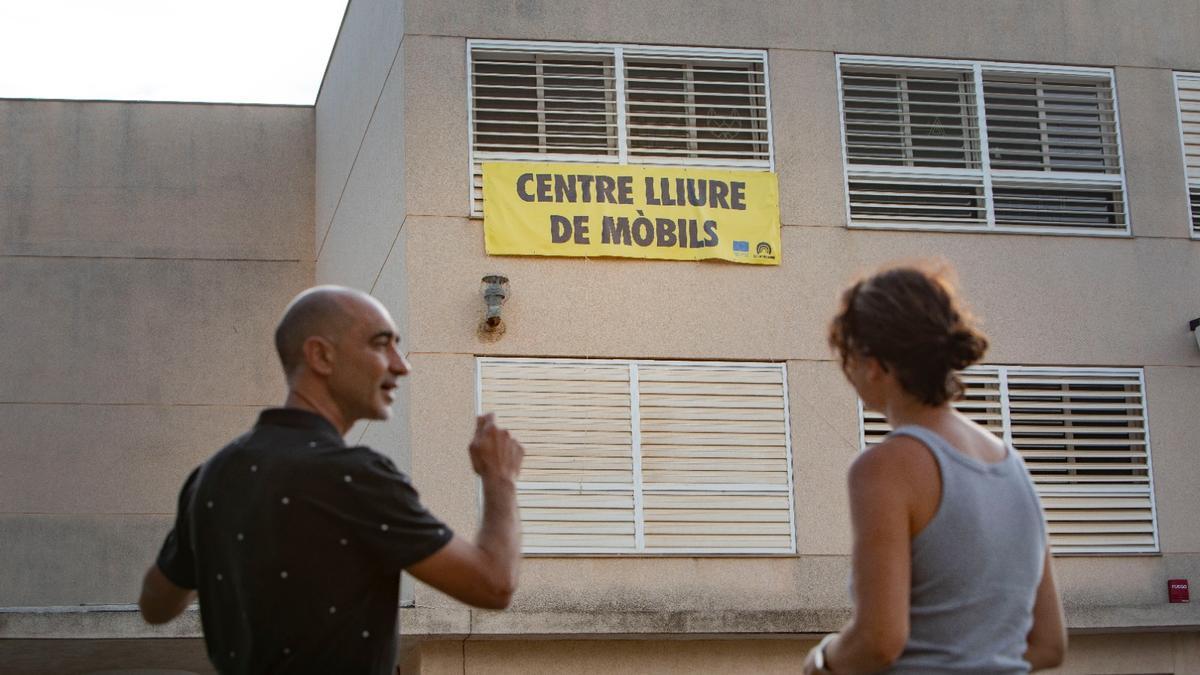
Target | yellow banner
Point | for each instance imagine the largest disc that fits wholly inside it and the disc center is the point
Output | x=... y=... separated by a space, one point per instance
x=670 y=213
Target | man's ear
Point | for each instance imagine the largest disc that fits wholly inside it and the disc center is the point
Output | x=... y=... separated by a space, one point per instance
x=319 y=355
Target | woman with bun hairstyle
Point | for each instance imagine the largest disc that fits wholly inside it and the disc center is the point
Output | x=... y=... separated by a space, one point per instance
x=950 y=568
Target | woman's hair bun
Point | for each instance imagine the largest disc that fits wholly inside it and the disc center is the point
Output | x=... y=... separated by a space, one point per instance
x=911 y=320
x=965 y=347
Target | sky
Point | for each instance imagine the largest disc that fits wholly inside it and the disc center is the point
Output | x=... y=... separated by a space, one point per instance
x=221 y=51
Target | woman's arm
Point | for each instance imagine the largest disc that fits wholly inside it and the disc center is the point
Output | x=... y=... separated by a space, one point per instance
x=880 y=512
x=1047 y=640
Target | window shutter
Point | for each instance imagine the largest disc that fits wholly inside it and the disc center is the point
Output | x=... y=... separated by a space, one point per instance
x=560 y=102
x=647 y=457
x=1082 y=434
x=1187 y=87
x=714 y=456
x=1053 y=125
x=981 y=401
x=914 y=121
x=550 y=105
x=910 y=118
x=1045 y=157
x=696 y=109
x=1050 y=124
x=576 y=489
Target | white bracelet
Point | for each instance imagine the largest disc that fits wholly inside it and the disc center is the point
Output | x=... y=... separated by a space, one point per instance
x=819 y=656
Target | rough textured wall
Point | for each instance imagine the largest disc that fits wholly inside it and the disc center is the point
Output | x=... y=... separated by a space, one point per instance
x=1054 y=300
x=360 y=186
x=146 y=251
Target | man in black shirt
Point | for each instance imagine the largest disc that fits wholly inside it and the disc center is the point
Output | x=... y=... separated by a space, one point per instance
x=295 y=542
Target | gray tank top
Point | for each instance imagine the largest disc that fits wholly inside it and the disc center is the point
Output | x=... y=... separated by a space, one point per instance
x=975 y=567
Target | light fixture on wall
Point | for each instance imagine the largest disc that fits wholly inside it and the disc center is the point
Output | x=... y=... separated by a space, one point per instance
x=1192 y=326
x=495 y=292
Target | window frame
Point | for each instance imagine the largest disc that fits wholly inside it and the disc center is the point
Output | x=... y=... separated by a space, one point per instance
x=639 y=521
x=617 y=51
x=1002 y=371
x=1189 y=186
x=987 y=174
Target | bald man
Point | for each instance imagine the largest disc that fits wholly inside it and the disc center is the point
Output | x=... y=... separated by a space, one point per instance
x=295 y=541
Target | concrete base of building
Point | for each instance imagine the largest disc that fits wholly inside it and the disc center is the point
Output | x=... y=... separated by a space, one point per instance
x=112 y=640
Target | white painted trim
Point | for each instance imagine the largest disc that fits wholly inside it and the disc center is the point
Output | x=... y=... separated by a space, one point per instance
x=562 y=486
x=1063 y=490
x=862 y=425
x=622 y=122
x=749 y=164
x=752 y=365
x=968 y=64
x=550 y=552
x=787 y=426
x=1149 y=457
x=1005 y=415
x=903 y=62
x=715 y=53
x=1071 y=370
x=478 y=411
x=985 y=155
x=1004 y=229
x=565 y=486
x=484 y=156
x=1176 y=76
x=471 y=136
x=635 y=422
x=1116 y=106
x=921 y=172
x=524 y=46
x=770 y=125
x=1056 y=177
x=845 y=150
x=718 y=487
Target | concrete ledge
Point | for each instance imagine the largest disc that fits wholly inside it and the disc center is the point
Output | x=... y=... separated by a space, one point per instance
x=123 y=621
x=94 y=622
x=1133 y=619
x=442 y=623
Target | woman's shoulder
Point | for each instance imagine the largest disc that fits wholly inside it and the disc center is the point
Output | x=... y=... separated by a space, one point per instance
x=897 y=457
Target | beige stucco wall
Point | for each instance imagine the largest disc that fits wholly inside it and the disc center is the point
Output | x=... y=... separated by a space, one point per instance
x=1044 y=299
x=1092 y=655
x=1109 y=32
x=145 y=253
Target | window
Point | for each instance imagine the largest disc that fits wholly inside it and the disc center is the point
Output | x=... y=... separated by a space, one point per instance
x=624 y=104
x=645 y=456
x=1082 y=433
x=961 y=145
x=1187 y=93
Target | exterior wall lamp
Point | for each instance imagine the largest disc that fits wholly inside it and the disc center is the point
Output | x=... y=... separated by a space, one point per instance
x=495 y=292
x=1192 y=325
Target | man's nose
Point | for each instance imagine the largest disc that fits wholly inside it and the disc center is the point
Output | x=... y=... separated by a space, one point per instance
x=399 y=364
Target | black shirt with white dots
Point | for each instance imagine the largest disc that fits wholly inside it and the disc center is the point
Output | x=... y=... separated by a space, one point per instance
x=295 y=543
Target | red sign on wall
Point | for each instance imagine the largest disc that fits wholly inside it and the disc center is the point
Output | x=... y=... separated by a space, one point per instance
x=1177 y=590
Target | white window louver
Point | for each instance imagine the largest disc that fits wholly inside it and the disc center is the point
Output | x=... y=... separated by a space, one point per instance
x=557 y=102
x=1187 y=91
x=647 y=457
x=1036 y=152
x=1082 y=434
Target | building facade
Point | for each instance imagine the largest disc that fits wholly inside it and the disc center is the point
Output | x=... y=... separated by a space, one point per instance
x=688 y=429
